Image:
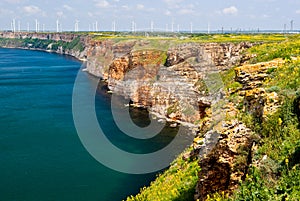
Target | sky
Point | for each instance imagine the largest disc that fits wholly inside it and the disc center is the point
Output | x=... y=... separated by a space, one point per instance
x=162 y=14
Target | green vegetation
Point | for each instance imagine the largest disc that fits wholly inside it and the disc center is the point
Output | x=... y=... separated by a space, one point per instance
x=44 y=44
x=186 y=37
x=275 y=173
x=285 y=49
x=177 y=183
x=237 y=37
x=7 y=42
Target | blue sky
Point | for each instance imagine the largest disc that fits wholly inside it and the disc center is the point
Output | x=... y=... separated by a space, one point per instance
x=235 y=14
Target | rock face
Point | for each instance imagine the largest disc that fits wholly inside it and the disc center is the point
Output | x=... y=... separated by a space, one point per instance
x=51 y=38
x=256 y=100
x=163 y=77
x=252 y=75
x=224 y=163
x=67 y=37
x=226 y=149
x=168 y=78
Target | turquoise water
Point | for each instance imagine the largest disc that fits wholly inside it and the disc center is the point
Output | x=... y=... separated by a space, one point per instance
x=41 y=156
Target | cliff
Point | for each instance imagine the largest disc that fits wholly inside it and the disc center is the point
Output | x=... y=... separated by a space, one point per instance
x=166 y=77
x=66 y=43
x=178 y=80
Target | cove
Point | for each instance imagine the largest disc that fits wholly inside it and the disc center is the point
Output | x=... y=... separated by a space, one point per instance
x=41 y=156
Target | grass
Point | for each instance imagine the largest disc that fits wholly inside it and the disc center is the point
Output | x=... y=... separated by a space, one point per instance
x=176 y=183
x=276 y=178
x=202 y=38
x=286 y=49
x=275 y=173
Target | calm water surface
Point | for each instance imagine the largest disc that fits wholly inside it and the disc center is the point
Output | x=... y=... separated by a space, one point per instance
x=41 y=156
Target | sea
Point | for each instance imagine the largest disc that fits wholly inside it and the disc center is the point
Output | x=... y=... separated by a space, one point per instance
x=41 y=155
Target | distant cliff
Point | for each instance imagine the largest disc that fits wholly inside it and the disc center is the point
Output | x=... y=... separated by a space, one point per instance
x=67 y=43
x=165 y=76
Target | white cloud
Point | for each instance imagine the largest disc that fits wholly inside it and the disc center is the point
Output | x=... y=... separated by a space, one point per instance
x=140 y=7
x=230 y=10
x=125 y=7
x=102 y=3
x=67 y=7
x=186 y=11
x=31 y=10
x=298 y=11
x=168 y=13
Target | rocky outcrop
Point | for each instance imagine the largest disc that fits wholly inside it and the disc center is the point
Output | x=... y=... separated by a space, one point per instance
x=257 y=100
x=225 y=150
x=162 y=77
x=61 y=43
x=222 y=55
x=67 y=37
x=252 y=75
x=224 y=158
x=167 y=77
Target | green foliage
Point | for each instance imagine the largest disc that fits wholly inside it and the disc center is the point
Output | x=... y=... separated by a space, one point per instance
x=237 y=37
x=277 y=176
x=186 y=37
x=286 y=77
x=8 y=42
x=173 y=108
x=276 y=173
x=75 y=45
x=43 y=44
x=228 y=78
x=285 y=49
x=201 y=86
x=177 y=183
x=280 y=143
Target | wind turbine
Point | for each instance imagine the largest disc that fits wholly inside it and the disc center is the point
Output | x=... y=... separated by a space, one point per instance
x=191 y=27
x=96 y=25
x=14 y=25
x=36 y=26
x=208 y=28
x=152 y=26
x=28 y=27
x=172 y=28
x=76 y=26
x=114 y=26
x=57 y=25
x=133 y=26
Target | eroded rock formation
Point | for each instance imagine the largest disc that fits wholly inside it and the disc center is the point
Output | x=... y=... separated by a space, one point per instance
x=164 y=77
x=225 y=163
x=257 y=100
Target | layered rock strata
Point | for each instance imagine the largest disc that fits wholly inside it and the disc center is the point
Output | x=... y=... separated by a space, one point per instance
x=167 y=78
x=257 y=100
